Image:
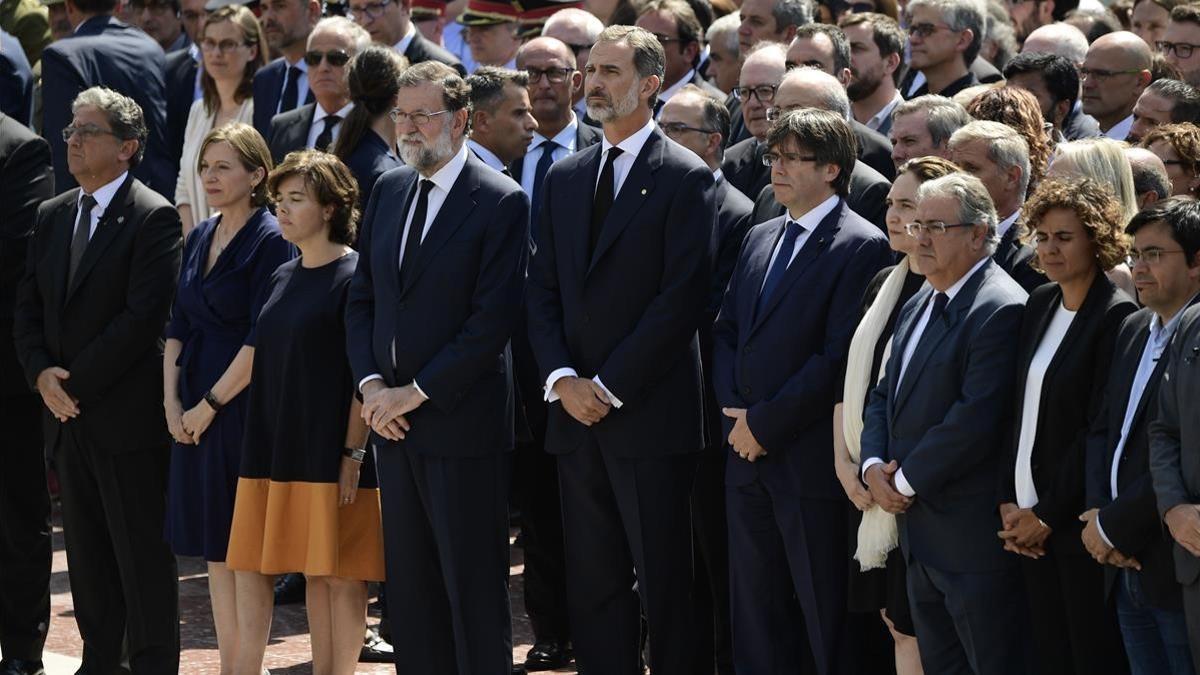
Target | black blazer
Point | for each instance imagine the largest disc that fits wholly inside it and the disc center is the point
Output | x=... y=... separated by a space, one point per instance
x=106 y=328
x=1071 y=396
x=25 y=182
x=630 y=312
x=451 y=324
x=16 y=81
x=784 y=364
x=179 y=78
x=289 y=131
x=737 y=124
x=586 y=135
x=874 y=149
x=867 y=197
x=369 y=160
x=421 y=50
x=984 y=72
x=743 y=166
x=1016 y=258
x=105 y=51
x=1079 y=124
x=268 y=89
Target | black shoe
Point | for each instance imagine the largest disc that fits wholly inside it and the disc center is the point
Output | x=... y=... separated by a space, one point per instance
x=289 y=589
x=548 y=655
x=376 y=649
x=19 y=667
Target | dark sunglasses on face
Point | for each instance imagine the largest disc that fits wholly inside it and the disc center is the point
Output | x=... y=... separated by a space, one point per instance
x=335 y=57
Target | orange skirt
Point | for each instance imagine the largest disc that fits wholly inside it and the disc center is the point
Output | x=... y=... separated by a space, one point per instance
x=281 y=527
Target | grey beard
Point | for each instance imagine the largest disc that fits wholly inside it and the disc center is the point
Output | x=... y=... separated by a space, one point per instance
x=424 y=158
x=620 y=108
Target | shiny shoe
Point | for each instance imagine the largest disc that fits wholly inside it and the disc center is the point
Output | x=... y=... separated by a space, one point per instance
x=548 y=655
x=289 y=589
x=19 y=667
x=376 y=649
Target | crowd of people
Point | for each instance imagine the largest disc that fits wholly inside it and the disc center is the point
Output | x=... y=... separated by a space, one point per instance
x=792 y=337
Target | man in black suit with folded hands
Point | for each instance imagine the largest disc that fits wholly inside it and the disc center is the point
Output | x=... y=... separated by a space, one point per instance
x=430 y=311
x=99 y=281
x=616 y=292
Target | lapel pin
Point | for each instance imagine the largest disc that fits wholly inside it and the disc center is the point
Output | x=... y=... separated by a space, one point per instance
x=120 y=219
x=643 y=191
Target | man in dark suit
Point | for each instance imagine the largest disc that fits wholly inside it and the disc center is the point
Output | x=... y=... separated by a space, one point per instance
x=876 y=54
x=780 y=345
x=1123 y=529
x=696 y=119
x=944 y=40
x=25 y=182
x=181 y=83
x=997 y=155
x=390 y=24
x=1054 y=81
x=282 y=84
x=762 y=71
x=502 y=122
x=16 y=81
x=680 y=31
x=616 y=292
x=923 y=126
x=90 y=313
x=931 y=444
x=430 y=310
x=108 y=53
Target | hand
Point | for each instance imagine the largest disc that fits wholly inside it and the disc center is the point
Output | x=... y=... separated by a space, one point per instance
x=582 y=399
x=880 y=481
x=1023 y=527
x=348 y=481
x=174 y=411
x=741 y=438
x=1118 y=559
x=383 y=405
x=1184 y=522
x=57 y=400
x=196 y=421
x=847 y=473
x=395 y=430
x=1092 y=540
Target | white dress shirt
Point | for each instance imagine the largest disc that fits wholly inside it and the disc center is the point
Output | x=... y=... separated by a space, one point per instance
x=884 y=113
x=103 y=196
x=443 y=180
x=301 y=84
x=630 y=148
x=487 y=156
x=666 y=94
x=566 y=147
x=402 y=45
x=902 y=485
x=1003 y=226
x=318 y=124
x=807 y=222
x=1120 y=130
x=1027 y=496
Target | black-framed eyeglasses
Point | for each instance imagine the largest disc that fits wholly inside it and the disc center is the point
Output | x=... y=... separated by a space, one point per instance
x=773 y=158
x=1182 y=49
x=664 y=39
x=677 y=128
x=932 y=228
x=765 y=93
x=1151 y=256
x=336 y=58
x=86 y=131
x=367 y=13
x=419 y=119
x=1101 y=74
x=924 y=30
x=222 y=47
x=552 y=75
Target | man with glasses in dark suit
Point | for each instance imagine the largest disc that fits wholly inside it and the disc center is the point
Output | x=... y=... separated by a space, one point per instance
x=390 y=24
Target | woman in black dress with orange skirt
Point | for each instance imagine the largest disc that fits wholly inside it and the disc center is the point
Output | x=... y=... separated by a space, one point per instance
x=307 y=498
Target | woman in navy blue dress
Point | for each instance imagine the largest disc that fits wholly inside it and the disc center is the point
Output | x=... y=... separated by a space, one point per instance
x=227 y=262
x=367 y=140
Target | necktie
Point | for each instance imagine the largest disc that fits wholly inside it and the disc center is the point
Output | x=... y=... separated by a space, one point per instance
x=326 y=136
x=539 y=175
x=79 y=242
x=782 y=259
x=604 y=199
x=939 y=306
x=291 y=90
x=412 y=243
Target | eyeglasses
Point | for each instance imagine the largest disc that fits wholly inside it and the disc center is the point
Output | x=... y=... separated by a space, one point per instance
x=773 y=158
x=677 y=128
x=924 y=30
x=765 y=93
x=552 y=75
x=419 y=119
x=932 y=228
x=664 y=39
x=85 y=132
x=336 y=58
x=1151 y=256
x=1182 y=49
x=222 y=47
x=1100 y=74
x=367 y=13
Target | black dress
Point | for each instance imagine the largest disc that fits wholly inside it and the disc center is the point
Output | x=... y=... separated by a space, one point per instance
x=287 y=517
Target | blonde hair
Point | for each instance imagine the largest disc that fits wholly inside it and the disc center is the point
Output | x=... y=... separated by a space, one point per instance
x=1104 y=161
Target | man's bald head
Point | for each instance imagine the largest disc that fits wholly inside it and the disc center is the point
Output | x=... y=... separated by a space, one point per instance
x=1128 y=47
x=1062 y=39
x=812 y=88
x=545 y=48
x=1150 y=179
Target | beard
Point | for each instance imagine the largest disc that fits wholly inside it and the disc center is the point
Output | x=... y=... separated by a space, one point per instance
x=428 y=155
x=611 y=110
x=862 y=85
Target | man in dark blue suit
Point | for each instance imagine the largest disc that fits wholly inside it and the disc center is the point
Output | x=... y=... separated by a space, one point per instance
x=282 y=84
x=780 y=345
x=108 y=53
x=16 y=81
x=430 y=311
x=931 y=442
x=616 y=292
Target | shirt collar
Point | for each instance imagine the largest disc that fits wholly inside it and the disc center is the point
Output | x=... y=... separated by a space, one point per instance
x=1161 y=334
x=1003 y=226
x=1120 y=130
x=321 y=114
x=486 y=155
x=718 y=175
x=666 y=94
x=402 y=45
x=565 y=138
x=194 y=51
x=447 y=175
x=884 y=112
x=631 y=146
x=809 y=221
x=104 y=195
x=301 y=64
x=958 y=285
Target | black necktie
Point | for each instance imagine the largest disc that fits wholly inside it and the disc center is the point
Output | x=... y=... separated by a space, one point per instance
x=83 y=232
x=326 y=136
x=412 y=243
x=291 y=90
x=939 y=306
x=604 y=199
x=539 y=175
x=783 y=258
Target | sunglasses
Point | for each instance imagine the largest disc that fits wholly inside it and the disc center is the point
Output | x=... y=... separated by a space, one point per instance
x=335 y=57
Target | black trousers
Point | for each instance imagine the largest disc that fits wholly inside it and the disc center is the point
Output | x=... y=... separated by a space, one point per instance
x=628 y=535
x=535 y=493
x=714 y=638
x=445 y=534
x=1191 y=610
x=123 y=576
x=24 y=530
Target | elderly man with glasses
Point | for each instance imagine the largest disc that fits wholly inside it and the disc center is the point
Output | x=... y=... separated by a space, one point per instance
x=390 y=23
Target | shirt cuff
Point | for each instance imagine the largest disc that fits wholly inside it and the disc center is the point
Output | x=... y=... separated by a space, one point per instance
x=555 y=376
x=1102 y=534
x=616 y=402
x=868 y=463
x=902 y=485
x=362 y=383
x=420 y=390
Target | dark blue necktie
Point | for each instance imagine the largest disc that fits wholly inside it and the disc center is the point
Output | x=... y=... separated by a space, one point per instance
x=291 y=90
x=779 y=267
x=939 y=306
x=539 y=175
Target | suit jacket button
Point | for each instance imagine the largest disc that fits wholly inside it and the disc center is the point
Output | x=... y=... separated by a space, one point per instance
x=746 y=390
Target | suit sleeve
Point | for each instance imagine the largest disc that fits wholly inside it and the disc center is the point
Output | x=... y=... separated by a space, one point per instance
x=725 y=336
x=1006 y=488
x=29 y=336
x=543 y=296
x=25 y=182
x=360 y=297
x=807 y=397
x=153 y=274
x=1165 y=446
x=496 y=301
x=874 y=439
x=61 y=83
x=673 y=316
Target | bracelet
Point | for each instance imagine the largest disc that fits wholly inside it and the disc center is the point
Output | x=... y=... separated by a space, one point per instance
x=211 y=400
x=356 y=454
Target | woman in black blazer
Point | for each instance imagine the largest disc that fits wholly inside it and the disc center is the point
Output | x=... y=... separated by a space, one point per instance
x=367 y=141
x=1066 y=340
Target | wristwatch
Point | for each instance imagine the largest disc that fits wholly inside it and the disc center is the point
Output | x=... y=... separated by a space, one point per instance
x=356 y=454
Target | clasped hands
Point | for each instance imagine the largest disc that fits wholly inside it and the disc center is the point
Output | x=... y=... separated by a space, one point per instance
x=61 y=404
x=583 y=399
x=1023 y=532
x=741 y=438
x=384 y=408
x=881 y=481
x=1098 y=548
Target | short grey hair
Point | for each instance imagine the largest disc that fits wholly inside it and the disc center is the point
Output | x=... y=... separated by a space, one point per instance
x=1006 y=147
x=792 y=13
x=944 y=116
x=960 y=15
x=123 y=113
x=574 y=17
x=1149 y=173
x=724 y=28
x=830 y=93
x=974 y=204
x=648 y=55
x=360 y=39
x=1059 y=38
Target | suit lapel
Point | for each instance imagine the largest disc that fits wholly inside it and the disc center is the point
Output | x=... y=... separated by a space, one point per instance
x=60 y=246
x=395 y=235
x=458 y=205
x=1042 y=323
x=109 y=225
x=638 y=185
x=1091 y=305
x=756 y=271
x=816 y=242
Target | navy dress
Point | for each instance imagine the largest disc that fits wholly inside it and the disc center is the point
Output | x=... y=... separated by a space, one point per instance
x=369 y=160
x=213 y=317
